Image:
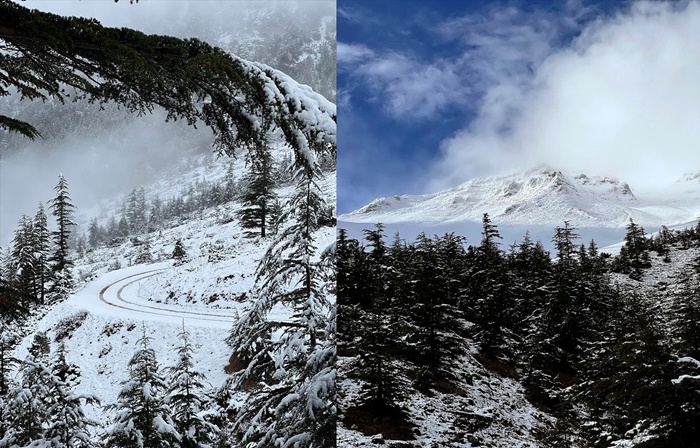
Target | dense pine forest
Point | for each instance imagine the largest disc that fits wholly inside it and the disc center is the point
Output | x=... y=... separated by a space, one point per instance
x=609 y=357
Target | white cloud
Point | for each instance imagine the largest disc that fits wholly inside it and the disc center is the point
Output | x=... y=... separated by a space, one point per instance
x=408 y=87
x=358 y=16
x=499 y=47
x=412 y=89
x=622 y=100
x=352 y=53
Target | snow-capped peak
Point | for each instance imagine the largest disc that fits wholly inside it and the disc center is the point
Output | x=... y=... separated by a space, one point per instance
x=541 y=195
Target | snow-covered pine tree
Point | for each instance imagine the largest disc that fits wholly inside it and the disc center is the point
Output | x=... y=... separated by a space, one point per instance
x=23 y=258
x=41 y=347
x=142 y=420
x=7 y=362
x=184 y=399
x=354 y=291
x=434 y=307
x=93 y=233
x=41 y=411
x=296 y=407
x=68 y=425
x=122 y=228
x=259 y=183
x=111 y=229
x=136 y=211
x=229 y=188
x=26 y=410
x=238 y=93
x=489 y=285
x=686 y=324
x=637 y=251
x=62 y=209
x=155 y=214
x=42 y=241
x=11 y=305
x=179 y=254
x=561 y=324
x=285 y=170
x=67 y=373
x=274 y=215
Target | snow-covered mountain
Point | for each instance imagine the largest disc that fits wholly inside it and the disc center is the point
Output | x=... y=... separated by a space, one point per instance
x=537 y=199
x=540 y=196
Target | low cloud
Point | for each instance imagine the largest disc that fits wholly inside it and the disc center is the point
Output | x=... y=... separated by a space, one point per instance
x=622 y=99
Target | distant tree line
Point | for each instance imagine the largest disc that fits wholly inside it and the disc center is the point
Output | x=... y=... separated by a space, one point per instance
x=138 y=216
x=593 y=353
x=256 y=190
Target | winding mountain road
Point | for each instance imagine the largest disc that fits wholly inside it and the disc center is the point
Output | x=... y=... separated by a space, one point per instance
x=115 y=294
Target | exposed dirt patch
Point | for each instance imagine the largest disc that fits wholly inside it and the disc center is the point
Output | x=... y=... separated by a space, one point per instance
x=372 y=418
x=497 y=366
x=235 y=364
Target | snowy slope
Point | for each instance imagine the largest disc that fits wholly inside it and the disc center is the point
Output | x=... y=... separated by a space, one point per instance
x=105 y=341
x=539 y=196
x=115 y=296
x=486 y=409
x=535 y=200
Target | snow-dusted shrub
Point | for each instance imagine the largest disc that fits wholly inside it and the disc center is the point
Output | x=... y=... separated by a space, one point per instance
x=116 y=265
x=112 y=328
x=85 y=276
x=143 y=253
x=67 y=326
x=215 y=252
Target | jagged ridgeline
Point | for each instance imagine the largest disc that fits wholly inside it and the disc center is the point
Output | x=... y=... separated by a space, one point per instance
x=479 y=346
x=46 y=55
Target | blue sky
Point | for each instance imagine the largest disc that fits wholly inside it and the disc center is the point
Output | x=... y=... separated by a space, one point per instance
x=433 y=93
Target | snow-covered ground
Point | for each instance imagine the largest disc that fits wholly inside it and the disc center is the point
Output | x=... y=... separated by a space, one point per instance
x=104 y=342
x=115 y=296
x=484 y=410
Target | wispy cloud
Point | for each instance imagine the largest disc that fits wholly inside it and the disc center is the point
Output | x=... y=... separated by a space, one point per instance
x=499 y=46
x=412 y=89
x=408 y=87
x=358 y=16
x=352 y=54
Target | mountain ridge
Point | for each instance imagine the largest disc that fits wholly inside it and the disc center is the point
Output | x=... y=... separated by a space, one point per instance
x=541 y=196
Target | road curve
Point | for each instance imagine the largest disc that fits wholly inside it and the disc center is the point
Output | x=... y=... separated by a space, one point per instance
x=119 y=302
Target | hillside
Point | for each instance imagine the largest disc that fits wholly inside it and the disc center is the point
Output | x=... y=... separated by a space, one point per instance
x=456 y=345
x=127 y=285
